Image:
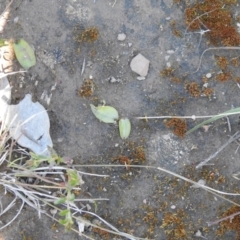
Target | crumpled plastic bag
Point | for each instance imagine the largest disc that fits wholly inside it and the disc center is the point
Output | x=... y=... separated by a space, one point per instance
x=27 y=122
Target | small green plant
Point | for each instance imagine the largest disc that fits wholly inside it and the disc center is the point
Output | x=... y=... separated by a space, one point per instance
x=73 y=181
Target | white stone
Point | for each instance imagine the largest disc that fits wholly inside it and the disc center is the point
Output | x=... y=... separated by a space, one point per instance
x=141 y=78
x=170 y=51
x=208 y=75
x=140 y=65
x=169 y=64
x=121 y=36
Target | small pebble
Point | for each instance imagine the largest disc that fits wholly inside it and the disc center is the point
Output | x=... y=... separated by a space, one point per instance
x=208 y=75
x=169 y=64
x=114 y=80
x=129 y=44
x=121 y=36
x=15 y=20
x=173 y=207
x=170 y=51
x=141 y=78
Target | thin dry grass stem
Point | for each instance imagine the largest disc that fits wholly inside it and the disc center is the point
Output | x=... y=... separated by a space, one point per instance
x=210 y=49
x=10 y=73
x=231 y=139
x=168 y=172
x=223 y=219
x=229 y=124
x=18 y=212
x=7 y=7
x=64 y=168
x=10 y=205
x=193 y=117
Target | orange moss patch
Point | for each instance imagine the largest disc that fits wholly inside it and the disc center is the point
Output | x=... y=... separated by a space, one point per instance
x=222 y=62
x=214 y=15
x=175 y=79
x=123 y=160
x=166 y=72
x=152 y=220
x=223 y=77
x=175 y=222
x=237 y=79
x=175 y=31
x=208 y=92
x=235 y=61
x=100 y=232
x=193 y=89
x=178 y=126
x=88 y=35
x=138 y=155
x=86 y=89
x=230 y=224
x=134 y=155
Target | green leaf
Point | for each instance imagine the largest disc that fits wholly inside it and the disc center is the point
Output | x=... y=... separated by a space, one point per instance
x=64 y=212
x=124 y=127
x=71 y=197
x=224 y=114
x=60 y=201
x=63 y=221
x=105 y=114
x=73 y=178
x=24 y=54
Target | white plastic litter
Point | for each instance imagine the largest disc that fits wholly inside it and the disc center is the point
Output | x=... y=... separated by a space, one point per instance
x=27 y=122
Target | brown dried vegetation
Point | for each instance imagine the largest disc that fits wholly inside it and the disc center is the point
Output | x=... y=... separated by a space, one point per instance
x=222 y=62
x=166 y=72
x=223 y=77
x=179 y=126
x=173 y=225
x=193 y=89
x=89 y=35
x=86 y=89
x=230 y=224
x=214 y=15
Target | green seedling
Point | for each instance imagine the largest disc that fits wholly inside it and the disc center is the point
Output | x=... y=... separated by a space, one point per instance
x=24 y=54
x=124 y=128
x=73 y=181
x=106 y=114
x=36 y=160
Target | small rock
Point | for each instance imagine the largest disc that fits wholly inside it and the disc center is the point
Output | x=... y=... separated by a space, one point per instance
x=129 y=44
x=170 y=51
x=168 y=64
x=114 y=80
x=121 y=36
x=173 y=207
x=141 y=78
x=208 y=75
x=140 y=65
x=15 y=20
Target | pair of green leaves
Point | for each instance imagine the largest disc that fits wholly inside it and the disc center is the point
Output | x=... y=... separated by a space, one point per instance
x=108 y=114
x=24 y=54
